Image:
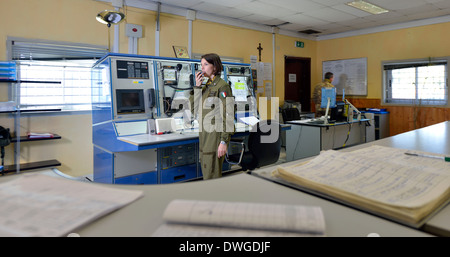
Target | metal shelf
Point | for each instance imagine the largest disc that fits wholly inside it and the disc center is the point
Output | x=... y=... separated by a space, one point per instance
x=17 y=167
x=26 y=139
x=30 y=166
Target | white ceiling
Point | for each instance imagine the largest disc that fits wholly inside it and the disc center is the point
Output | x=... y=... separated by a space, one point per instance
x=326 y=16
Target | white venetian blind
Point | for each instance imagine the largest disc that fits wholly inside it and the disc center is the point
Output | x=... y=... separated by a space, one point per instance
x=61 y=72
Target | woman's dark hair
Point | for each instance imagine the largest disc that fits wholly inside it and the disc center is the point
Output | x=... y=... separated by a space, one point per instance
x=214 y=59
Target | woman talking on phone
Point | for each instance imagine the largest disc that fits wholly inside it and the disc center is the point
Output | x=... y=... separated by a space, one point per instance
x=214 y=103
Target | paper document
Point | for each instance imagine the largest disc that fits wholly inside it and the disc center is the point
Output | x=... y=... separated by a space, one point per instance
x=382 y=179
x=214 y=218
x=41 y=205
x=252 y=120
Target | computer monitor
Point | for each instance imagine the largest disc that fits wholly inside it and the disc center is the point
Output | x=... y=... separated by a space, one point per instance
x=328 y=92
x=338 y=113
x=130 y=101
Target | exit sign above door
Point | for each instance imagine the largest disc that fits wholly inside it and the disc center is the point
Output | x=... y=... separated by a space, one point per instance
x=299 y=44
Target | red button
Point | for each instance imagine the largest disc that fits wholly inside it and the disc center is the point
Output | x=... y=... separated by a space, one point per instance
x=134 y=29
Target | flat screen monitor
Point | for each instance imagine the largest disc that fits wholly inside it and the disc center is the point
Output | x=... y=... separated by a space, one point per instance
x=338 y=113
x=328 y=92
x=130 y=101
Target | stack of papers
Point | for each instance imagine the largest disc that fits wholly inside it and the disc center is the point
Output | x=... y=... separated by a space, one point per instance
x=40 y=205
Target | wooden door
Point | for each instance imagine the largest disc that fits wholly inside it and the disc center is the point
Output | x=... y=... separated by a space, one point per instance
x=297 y=81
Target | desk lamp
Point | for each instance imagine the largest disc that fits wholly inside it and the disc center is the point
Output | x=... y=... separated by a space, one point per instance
x=108 y=18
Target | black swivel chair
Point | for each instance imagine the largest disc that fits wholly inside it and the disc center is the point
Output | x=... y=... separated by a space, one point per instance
x=290 y=114
x=264 y=146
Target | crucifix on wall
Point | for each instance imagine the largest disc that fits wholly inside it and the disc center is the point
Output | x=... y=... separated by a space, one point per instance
x=259 y=49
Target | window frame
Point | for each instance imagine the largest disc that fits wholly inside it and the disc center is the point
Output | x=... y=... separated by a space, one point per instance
x=62 y=51
x=386 y=100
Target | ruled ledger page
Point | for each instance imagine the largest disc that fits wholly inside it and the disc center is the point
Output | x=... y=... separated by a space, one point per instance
x=240 y=219
x=41 y=205
x=384 y=178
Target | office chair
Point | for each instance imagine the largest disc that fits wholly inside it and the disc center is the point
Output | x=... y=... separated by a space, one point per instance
x=290 y=114
x=264 y=146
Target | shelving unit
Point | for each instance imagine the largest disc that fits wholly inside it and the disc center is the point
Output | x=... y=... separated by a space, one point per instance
x=25 y=138
x=16 y=111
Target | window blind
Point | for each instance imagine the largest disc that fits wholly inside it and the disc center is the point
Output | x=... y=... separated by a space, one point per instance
x=35 y=50
x=412 y=65
x=67 y=63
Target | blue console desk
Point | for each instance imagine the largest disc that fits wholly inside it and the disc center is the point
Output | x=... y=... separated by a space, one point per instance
x=131 y=94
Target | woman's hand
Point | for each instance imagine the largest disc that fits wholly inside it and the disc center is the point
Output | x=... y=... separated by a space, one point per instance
x=199 y=79
x=222 y=150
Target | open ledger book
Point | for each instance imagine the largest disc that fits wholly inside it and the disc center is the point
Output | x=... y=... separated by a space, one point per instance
x=381 y=180
x=224 y=219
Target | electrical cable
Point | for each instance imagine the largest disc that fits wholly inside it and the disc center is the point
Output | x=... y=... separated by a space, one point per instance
x=348 y=134
x=178 y=88
x=298 y=140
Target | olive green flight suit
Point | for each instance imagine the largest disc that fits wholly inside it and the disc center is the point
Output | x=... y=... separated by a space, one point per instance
x=216 y=123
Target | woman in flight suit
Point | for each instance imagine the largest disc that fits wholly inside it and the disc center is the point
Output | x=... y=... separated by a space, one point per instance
x=215 y=104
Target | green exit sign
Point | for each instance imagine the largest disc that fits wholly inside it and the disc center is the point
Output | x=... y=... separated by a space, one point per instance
x=299 y=44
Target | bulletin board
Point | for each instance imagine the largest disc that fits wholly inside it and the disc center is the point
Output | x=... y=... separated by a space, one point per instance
x=349 y=74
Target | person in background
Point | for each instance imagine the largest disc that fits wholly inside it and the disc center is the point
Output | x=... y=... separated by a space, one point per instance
x=215 y=102
x=317 y=93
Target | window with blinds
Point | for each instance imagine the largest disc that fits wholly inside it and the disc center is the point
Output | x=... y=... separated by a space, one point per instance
x=60 y=73
x=421 y=82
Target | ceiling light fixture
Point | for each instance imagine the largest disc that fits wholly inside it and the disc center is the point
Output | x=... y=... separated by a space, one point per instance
x=108 y=18
x=367 y=7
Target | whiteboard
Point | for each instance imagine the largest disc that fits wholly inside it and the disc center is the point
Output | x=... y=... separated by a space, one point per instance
x=349 y=74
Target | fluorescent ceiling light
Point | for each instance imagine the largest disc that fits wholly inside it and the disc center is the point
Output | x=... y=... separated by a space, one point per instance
x=367 y=7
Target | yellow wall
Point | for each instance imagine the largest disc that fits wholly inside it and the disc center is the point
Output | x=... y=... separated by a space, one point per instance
x=418 y=42
x=285 y=46
x=145 y=18
x=74 y=21
x=230 y=41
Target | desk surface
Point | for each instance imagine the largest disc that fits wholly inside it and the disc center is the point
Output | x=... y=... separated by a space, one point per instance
x=149 y=139
x=433 y=139
x=317 y=123
x=144 y=216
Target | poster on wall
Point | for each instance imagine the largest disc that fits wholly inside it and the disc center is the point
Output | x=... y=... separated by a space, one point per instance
x=349 y=75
